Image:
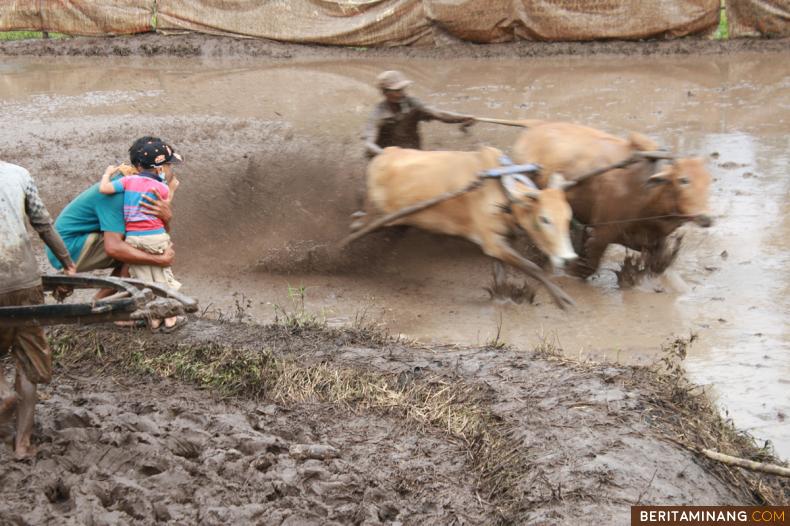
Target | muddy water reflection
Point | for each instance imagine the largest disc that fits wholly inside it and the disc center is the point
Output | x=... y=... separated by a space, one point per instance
x=299 y=177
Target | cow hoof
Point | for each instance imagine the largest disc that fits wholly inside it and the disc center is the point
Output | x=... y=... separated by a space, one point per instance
x=518 y=294
x=580 y=270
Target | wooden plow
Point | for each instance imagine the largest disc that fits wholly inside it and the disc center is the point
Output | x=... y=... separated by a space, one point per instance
x=131 y=300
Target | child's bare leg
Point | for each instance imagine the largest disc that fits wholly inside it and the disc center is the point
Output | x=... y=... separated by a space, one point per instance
x=121 y=271
x=24 y=416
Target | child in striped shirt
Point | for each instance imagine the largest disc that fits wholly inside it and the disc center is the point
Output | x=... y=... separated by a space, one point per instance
x=153 y=160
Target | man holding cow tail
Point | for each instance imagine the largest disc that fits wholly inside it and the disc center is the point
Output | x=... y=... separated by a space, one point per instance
x=395 y=120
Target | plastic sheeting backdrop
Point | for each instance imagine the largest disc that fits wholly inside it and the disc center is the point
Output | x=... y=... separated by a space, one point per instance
x=401 y=22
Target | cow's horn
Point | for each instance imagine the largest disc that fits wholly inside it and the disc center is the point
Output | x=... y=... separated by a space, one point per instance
x=557 y=180
x=511 y=184
x=659 y=178
x=655 y=155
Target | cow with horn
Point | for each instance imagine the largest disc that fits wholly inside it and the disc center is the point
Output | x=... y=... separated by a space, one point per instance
x=622 y=191
x=444 y=192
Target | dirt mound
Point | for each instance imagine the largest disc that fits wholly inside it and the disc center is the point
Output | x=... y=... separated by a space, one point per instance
x=397 y=434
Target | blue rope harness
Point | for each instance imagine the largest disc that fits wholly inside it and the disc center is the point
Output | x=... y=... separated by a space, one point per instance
x=516 y=170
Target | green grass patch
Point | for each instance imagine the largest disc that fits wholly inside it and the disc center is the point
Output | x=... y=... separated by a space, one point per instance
x=723 y=31
x=28 y=35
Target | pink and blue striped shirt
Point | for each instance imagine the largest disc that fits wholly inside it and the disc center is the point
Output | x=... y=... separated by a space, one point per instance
x=134 y=187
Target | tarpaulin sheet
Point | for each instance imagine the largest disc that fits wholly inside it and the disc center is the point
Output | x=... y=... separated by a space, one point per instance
x=77 y=17
x=759 y=17
x=569 y=20
x=397 y=22
x=350 y=23
x=401 y=22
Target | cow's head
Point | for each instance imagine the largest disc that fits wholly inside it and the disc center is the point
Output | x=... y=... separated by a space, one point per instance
x=544 y=214
x=686 y=184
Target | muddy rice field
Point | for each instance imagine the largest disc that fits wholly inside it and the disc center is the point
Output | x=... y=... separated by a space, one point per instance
x=381 y=385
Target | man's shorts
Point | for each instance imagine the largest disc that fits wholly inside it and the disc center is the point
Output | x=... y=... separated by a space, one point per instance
x=28 y=344
x=93 y=256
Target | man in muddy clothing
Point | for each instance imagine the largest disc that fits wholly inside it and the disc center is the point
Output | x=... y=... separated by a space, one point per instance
x=20 y=284
x=395 y=120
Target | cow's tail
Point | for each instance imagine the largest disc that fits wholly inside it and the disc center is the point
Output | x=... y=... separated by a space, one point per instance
x=524 y=123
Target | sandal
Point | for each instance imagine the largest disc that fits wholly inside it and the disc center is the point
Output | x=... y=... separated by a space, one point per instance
x=180 y=322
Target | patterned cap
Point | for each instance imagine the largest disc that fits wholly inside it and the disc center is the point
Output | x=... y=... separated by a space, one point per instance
x=154 y=153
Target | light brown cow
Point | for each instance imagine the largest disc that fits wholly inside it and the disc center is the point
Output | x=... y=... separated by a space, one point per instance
x=399 y=177
x=637 y=206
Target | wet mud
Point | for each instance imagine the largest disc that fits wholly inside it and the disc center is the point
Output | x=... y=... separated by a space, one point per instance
x=124 y=440
x=120 y=451
x=272 y=132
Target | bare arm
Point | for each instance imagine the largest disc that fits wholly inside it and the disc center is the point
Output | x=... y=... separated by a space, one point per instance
x=53 y=240
x=445 y=116
x=105 y=185
x=42 y=223
x=174 y=184
x=120 y=250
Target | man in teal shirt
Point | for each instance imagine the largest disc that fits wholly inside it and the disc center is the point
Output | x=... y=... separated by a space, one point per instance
x=92 y=227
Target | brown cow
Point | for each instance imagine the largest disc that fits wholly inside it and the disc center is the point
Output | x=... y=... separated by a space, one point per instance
x=637 y=206
x=400 y=177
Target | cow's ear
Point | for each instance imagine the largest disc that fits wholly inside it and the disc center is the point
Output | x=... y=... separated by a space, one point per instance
x=530 y=196
x=662 y=177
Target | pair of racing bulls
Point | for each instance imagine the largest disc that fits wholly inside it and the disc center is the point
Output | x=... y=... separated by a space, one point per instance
x=636 y=205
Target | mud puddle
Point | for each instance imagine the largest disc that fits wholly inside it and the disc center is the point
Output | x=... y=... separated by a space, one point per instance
x=276 y=168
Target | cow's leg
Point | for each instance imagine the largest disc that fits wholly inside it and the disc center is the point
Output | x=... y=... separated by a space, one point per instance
x=660 y=255
x=499 y=277
x=594 y=247
x=497 y=247
x=579 y=235
x=502 y=289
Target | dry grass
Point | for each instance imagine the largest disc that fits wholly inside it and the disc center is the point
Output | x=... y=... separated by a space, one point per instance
x=444 y=404
x=685 y=415
x=677 y=410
